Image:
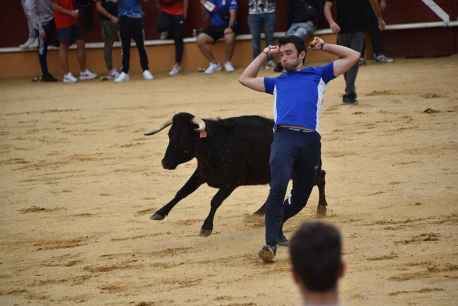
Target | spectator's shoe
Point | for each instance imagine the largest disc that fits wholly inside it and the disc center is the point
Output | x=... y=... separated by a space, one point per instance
x=382 y=58
x=212 y=68
x=69 y=78
x=176 y=69
x=229 y=67
x=349 y=98
x=122 y=77
x=362 y=61
x=282 y=240
x=29 y=44
x=33 y=44
x=163 y=35
x=87 y=75
x=267 y=253
x=113 y=74
x=48 y=78
x=147 y=75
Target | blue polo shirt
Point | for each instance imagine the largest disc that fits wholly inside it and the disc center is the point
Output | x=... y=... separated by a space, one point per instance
x=130 y=8
x=299 y=95
x=220 y=15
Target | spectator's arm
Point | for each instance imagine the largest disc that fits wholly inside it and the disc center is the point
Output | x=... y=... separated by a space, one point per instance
x=185 y=8
x=378 y=12
x=104 y=12
x=347 y=57
x=62 y=10
x=328 y=14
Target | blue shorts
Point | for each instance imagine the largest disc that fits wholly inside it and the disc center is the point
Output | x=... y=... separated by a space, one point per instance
x=68 y=36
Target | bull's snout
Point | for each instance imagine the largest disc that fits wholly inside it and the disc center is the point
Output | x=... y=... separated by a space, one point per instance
x=168 y=165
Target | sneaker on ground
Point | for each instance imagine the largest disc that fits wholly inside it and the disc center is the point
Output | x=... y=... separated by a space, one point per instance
x=122 y=77
x=48 y=78
x=69 y=78
x=87 y=75
x=33 y=44
x=267 y=254
x=212 y=68
x=229 y=67
x=362 y=61
x=350 y=98
x=113 y=74
x=176 y=69
x=147 y=75
x=382 y=58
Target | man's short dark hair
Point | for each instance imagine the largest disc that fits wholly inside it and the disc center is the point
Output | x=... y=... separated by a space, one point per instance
x=315 y=251
x=296 y=41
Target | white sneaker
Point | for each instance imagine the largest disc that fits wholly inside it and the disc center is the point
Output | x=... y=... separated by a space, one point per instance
x=69 y=78
x=147 y=75
x=33 y=44
x=29 y=44
x=122 y=77
x=212 y=68
x=175 y=70
x=87 y=75
x=113 y=74
x=229 y=67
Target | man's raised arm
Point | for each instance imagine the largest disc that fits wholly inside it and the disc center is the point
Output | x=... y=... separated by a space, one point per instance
x=249 y=77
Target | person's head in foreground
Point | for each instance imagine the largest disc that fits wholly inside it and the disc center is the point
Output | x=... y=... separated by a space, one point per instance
x=316 y=257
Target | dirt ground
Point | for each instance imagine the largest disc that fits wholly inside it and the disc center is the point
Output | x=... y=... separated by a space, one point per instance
x=79 y=180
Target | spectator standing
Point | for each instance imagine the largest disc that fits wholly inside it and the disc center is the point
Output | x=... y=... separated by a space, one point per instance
x=261 y=18
x=351 y=25
x=109 y=23
x=131 y=26
x=32 y=38
x=172 y=16
x=68 y=31
x=223 y=24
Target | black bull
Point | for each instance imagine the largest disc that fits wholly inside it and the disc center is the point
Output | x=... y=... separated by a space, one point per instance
x=230 y=153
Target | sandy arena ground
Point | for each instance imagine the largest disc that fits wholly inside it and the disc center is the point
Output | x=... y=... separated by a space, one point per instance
x=79 y=180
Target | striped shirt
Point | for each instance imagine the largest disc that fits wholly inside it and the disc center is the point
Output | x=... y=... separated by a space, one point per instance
x=261 y=6
x=42 y=12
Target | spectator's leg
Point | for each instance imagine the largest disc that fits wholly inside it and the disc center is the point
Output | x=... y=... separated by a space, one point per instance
x=81 y=54
x=254 y=23
x=269 y=28
x=375 y=34
x=350 y=75
x=125 y=42
x=204 y=41
x=43 y=55
x=178 y=30
x=139 y=38
x=229 y=40
x=356 y=43
x=108 y=35
x=63 y=53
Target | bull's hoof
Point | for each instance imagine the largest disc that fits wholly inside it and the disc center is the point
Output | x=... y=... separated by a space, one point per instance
x=205 y=232
x=157 y=216
x=321 y=211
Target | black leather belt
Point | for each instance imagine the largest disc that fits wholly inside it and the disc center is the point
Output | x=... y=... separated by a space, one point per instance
x=295 y=128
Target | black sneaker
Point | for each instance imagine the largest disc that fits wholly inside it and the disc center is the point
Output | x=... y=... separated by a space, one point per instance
x=349 y=98
x=267 y=253
x=48 y=78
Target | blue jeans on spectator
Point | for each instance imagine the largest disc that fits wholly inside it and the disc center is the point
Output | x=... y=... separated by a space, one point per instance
x=258 y=23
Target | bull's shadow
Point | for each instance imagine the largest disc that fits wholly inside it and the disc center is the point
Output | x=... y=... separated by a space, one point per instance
x=230 y=153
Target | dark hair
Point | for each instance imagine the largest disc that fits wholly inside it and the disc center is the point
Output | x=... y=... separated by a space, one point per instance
x=315 y=252
x=296 y=41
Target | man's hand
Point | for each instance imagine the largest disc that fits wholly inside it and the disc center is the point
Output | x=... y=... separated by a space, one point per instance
x=317 y=44
x=335 y=27
x=75 y=13
x=381 y=24
x=271 y=51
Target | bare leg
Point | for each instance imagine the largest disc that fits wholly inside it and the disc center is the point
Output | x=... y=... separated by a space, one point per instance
x=81 y=54
x=229 y=39
x=204 y=41
x=63 y=53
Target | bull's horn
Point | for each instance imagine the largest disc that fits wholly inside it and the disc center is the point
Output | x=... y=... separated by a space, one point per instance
x=200 y=123
x=163 y=126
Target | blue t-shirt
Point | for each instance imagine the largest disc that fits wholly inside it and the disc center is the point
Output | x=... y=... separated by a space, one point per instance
x=220 y=15
x=130 y=8
x=299 y=94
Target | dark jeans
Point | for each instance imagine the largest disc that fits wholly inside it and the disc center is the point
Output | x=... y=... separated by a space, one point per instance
x=258 y=23
x=354 y=41
x=50 y=31
x=297 y=156
x=175 y=26
x=109 y=34
x=132 y=28
x=375 y=34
